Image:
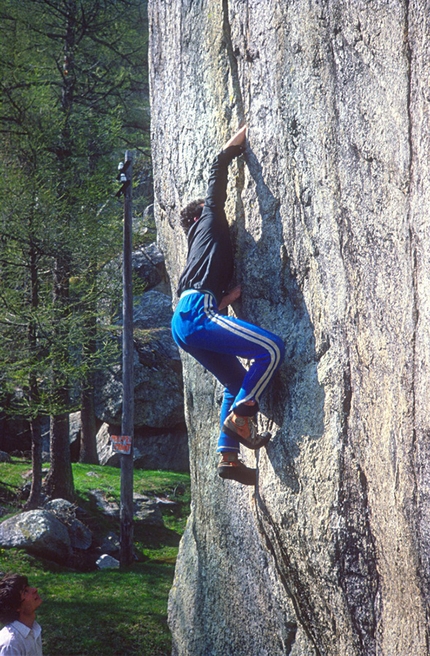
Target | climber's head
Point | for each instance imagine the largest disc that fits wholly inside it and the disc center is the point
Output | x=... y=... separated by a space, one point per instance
x=191 y=213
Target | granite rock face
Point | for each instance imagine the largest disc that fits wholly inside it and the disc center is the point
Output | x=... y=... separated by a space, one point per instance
x=329 y=210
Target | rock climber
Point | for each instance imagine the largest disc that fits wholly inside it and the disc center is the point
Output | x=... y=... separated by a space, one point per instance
x=18 y=604
x=217 y=340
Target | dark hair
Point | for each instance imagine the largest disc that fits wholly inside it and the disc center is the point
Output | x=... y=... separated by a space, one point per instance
x=192 y=211
x=11 y=588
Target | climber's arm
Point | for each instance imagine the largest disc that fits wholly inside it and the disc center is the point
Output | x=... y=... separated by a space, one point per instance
x=216 y=194
x=238 y=139
x=230 y=298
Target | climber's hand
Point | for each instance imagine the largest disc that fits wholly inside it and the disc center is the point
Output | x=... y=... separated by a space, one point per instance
x=238 y=139
x=231 y=297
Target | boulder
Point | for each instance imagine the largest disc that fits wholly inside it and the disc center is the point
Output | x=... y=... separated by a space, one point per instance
x=162 y=449
x=104 y=448
x=107 y=562
x=80 y=535
x=107 y=507
x=158 y=387
x=39 y=532
x=64 y=510
x=152 y=449
x=329 y=208
x=145 y=509
x=75 y=426
x=111 y=544
x=148 y=264
x=153 y=310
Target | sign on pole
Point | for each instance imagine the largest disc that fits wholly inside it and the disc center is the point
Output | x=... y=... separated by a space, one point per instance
x=121 y=444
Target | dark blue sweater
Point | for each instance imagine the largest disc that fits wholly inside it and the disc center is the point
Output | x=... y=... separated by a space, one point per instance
x=210 y=261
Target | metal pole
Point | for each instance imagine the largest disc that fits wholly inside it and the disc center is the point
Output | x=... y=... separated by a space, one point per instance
x=126 y=506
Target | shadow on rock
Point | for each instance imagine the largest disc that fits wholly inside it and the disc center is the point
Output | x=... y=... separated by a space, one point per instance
x=294 y=402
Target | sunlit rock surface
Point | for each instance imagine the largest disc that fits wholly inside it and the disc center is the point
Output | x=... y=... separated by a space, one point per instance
x=330 y=217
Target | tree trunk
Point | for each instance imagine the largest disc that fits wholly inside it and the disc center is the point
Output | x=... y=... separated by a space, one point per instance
x=88 y=451
x=36 y=459
x=88 y=447
x=35 y=424
x=59 y=481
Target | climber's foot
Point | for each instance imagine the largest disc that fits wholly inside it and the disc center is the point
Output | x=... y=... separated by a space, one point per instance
x=244 y=430
x=231 y=468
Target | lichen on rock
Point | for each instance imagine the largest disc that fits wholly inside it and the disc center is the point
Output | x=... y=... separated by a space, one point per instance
x=329 y=215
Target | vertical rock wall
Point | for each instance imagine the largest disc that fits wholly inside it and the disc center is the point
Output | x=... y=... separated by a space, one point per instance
x=330 y=216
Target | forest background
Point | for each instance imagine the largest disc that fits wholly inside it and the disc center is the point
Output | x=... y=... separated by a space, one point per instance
x=74 y=96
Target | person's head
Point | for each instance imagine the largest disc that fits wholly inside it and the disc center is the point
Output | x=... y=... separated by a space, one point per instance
x=191 y=213
x=17 y=598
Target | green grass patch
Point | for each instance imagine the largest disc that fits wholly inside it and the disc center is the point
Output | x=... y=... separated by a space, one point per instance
x=110 y=612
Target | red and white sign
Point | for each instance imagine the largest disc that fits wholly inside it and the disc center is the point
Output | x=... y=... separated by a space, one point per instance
x=121 y=444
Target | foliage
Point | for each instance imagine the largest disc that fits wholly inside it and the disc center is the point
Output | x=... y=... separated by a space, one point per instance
x=74 y=92
x=107 y=613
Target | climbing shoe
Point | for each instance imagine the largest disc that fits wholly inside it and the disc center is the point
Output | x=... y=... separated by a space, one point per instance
x=233 y=469
x=244 y=430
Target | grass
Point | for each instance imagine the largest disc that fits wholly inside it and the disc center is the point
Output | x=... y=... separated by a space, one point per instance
x=110 y=612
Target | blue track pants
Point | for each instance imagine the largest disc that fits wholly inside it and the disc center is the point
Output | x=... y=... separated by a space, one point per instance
x=217 y=341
